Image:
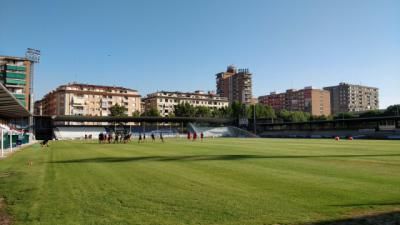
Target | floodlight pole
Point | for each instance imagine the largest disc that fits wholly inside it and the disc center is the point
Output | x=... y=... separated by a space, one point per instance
x=11 y=147
x=254 y=119
x=34 y=56
x=2 y=142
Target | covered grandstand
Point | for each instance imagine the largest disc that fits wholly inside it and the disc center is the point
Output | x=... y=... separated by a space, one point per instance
x=12 y=115
x=78 y=127
x=385 y=127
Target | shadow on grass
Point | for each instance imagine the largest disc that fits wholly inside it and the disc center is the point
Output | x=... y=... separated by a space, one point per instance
x=209 y=158
x=370 y=204
x=390 y=218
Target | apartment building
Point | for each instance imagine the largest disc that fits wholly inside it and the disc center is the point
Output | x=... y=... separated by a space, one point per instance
x=353 y=98
x=15 y=75
x=314 y=101
x=235 y=84
x=275 y=100
x=87 y=100
x=165 y=101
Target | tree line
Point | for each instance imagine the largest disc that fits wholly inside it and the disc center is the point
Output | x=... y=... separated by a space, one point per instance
x=238 y=110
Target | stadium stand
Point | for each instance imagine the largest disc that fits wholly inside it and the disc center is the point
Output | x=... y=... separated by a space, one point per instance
x=225 y=131
x=12 y=117
x=70 y=133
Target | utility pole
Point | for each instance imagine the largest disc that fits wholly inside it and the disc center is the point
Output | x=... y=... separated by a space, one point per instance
x=254 y=119
x=2 y=142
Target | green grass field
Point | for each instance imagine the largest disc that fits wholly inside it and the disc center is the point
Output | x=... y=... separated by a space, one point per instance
x=219 y=181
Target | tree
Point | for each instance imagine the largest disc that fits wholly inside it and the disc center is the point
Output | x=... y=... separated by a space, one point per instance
x=372 y=113
x=184 y=110
x=152 y=112
x=262 y=111
x=236 y=109
x=298 y=116
x=224 y=112
x=269 y=112
x=285 y=115
x=346 y=115
x=118 y=111
x=202 y=111
x=294 y=116
x=136 y=114
x=393 y=110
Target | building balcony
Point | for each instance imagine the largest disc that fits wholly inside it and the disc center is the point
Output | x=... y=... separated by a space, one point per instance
x=19 y=96
x=16 y=82
x=16 y=68
x=15 y=75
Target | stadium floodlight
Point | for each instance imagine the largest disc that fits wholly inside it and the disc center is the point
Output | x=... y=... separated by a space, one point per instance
x=254 y=119
x=2 y=142
x=33 y=55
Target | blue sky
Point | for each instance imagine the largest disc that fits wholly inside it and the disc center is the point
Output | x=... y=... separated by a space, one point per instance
x=152 y=45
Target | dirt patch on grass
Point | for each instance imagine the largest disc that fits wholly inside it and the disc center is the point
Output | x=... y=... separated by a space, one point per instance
x=5 y=219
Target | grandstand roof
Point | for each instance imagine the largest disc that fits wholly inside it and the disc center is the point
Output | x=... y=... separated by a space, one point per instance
x=140 y=119
x=360 y=119
x=10 y=107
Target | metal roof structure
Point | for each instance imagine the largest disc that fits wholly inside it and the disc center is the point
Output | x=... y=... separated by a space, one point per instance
x=10 y=107
x=140 y=119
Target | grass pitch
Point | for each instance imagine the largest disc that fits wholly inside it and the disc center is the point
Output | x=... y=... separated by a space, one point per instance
x=219 y=181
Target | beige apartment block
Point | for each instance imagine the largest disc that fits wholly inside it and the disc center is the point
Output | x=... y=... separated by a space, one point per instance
x=353 y=98
x=165 y=101
x=87 y=100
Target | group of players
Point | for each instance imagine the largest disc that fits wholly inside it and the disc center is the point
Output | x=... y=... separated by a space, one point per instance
x=153 y=137
x=193 y=136
x=127 y=137
x=124 y=138
x=114 y=138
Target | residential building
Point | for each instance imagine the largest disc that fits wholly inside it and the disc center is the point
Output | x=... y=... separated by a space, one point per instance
x=314 y=101
x=87 y=100
x=165 y=101
x=236 y=85
x=38 y=107
x=353 y=98
x=276 y=101
x=15 y=75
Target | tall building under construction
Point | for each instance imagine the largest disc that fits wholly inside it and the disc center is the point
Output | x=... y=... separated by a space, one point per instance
x=235 y=84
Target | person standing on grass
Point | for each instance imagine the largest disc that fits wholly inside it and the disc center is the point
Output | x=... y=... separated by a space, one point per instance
x=153 y=138
x=144 y=137
x=194 y=136
x=201 y=136
x=116 y=139
x=161 y=137
x=109 y=138
x=140 y=138
x=101 y=138
x=188 y=136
